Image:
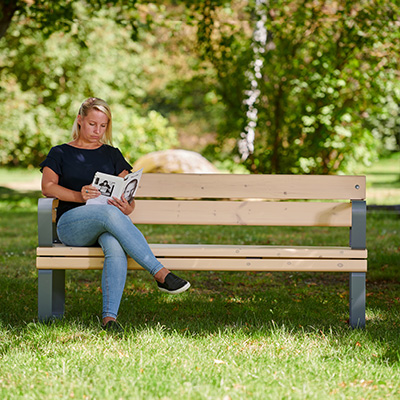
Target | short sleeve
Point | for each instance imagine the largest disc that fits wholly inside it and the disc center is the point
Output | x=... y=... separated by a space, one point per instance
x=53 y=161
x=120 y=162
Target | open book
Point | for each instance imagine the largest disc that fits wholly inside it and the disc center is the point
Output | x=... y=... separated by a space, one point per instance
x=114 y=186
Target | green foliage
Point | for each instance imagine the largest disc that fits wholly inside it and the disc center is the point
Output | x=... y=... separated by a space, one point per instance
x=329 y=77
x=45 y=79
x=329 y=92
x=49 y=16
x=138 y=135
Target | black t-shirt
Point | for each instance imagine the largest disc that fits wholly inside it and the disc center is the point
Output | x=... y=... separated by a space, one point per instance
x=76 y=167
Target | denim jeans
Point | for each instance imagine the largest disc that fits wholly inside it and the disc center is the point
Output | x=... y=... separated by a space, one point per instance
x=117 y=236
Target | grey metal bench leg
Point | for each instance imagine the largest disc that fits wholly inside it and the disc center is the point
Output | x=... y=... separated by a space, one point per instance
x=51 y=294
x=357 y=299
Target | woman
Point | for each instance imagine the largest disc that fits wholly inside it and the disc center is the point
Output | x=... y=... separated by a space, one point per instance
x=68 y=172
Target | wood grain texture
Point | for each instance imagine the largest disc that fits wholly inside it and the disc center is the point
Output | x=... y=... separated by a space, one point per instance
x=204 y=251
x=236 y=186
x=241 y=213
x=215 y=264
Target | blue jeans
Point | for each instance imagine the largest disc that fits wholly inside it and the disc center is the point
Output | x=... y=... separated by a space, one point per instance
x=117 y=236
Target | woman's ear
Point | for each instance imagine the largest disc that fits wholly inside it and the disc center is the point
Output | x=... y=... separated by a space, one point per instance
x=79 y=120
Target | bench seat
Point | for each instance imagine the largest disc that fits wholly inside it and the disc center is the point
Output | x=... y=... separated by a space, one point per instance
x=191 y=257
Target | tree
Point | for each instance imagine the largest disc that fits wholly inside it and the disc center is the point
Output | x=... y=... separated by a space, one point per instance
x=7 y=11
x=49 y=16
x=45 y=77
x=52 y=16
x=328 y=84
x=328 y=67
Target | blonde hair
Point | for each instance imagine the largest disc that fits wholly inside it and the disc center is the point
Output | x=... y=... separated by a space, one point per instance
x=97 y=104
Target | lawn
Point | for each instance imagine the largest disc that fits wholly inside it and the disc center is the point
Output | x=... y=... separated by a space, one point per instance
x=383 y=181
x=232 y=336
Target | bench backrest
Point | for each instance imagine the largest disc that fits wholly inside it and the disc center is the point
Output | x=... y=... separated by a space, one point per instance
x=174 y=199
x=222 y=199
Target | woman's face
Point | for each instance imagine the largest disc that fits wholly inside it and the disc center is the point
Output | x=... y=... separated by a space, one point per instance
x=93 y=126
x=128 y=193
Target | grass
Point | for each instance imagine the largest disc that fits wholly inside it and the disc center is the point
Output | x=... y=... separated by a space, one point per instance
x=383 y=181
x=385 y=173
x=16 y=175
x=233 y=336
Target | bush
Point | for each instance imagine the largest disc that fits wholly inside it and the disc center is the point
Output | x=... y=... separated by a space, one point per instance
x=136 y=136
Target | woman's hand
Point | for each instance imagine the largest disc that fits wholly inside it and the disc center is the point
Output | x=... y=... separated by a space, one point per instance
x=123 y=205
x=89 y=192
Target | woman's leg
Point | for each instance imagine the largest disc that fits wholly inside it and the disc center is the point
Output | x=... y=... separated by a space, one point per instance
x=114 y=275
x=83 y=225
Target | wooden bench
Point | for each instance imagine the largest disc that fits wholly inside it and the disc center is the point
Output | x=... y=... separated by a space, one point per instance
x=223 y=199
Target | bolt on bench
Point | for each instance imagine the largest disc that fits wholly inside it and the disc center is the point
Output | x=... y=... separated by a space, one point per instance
x=224 y=199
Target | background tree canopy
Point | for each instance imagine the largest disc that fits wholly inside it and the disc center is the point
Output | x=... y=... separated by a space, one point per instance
x=177 y=75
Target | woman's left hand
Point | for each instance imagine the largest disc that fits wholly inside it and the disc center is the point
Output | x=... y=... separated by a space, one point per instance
x=123 y=205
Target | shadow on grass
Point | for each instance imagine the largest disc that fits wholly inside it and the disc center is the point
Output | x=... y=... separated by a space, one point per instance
x=387 y=185
x=18 y=300
x=392 y=180
x=216 y=301
x=7 y=194
x=252 y=305
x=15 y=200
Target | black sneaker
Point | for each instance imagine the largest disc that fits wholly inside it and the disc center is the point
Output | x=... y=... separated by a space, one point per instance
x=112 y=326
x=173 y=284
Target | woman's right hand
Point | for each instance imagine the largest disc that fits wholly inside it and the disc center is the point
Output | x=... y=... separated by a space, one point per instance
x=89 y=192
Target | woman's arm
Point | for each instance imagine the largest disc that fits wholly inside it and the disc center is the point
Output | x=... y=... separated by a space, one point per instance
x=51 y=188
x=124 y=173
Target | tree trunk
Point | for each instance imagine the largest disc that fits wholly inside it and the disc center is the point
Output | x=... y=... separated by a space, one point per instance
x=7 y=11
x=277 y=145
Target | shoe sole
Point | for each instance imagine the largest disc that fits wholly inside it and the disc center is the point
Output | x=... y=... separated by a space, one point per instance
x=177 y=291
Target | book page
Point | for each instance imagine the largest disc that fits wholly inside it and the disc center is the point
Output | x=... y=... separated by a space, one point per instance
x=109 y=186
x=131 y=184
x=114 y=186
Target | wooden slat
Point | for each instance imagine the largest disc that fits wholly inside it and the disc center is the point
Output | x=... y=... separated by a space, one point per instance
x=241 y=213
x=204 y=251
x=202 y=264
x=219 y=264
x=193 y=250
x=236 y=186
x=54 y=210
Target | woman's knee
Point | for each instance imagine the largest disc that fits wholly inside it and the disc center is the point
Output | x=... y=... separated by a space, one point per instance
x=110 y=211
x=110 y=245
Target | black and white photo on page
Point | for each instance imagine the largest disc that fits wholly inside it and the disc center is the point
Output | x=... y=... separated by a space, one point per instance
x=105 y=186
x=130 y=189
